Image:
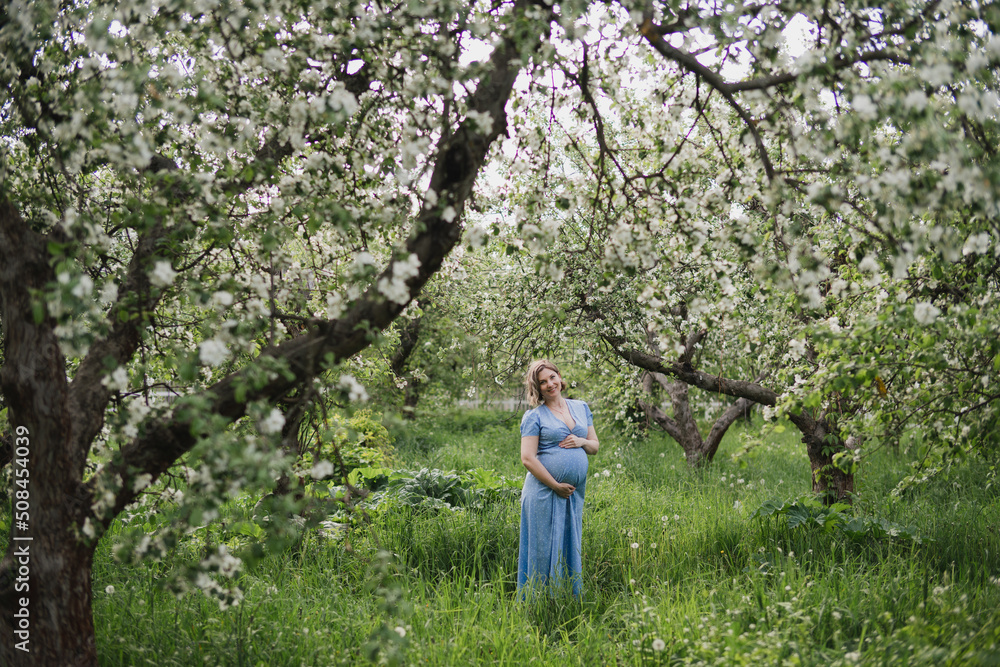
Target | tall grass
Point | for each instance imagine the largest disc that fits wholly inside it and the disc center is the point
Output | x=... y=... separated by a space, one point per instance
x=676 y=572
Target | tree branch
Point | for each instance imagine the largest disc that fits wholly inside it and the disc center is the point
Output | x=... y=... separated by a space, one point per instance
x=88 y=395
x=716 y=384
x=690 y=63
x=458 y=162
x=655 y=413
x=725 y=420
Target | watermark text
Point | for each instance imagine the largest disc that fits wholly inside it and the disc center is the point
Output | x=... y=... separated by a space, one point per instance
x=22 y=533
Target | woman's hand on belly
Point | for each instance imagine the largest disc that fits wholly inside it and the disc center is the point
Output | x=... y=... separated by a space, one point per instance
x=563 y=489
x=572 y=441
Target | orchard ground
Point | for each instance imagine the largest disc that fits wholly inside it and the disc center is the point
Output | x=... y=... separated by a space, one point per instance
x=678 y=570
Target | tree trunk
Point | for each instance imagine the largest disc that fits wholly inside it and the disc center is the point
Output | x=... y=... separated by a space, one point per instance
x=683 y=427
x=409 y=335
x=6 y=449
x=45 y=574
x=819 y=435
x=411 y=398
x=822 y=442
x=47 y=617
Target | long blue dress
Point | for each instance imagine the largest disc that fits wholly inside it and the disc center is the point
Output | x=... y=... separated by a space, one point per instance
x=551 y=527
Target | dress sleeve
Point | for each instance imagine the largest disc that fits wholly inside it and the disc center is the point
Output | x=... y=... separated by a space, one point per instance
x=530 y=423
x=590 y=415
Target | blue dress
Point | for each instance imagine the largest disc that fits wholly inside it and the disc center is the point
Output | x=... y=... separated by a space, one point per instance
x=551 y=527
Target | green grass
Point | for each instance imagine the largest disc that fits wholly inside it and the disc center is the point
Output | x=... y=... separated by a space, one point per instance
x=676 y=572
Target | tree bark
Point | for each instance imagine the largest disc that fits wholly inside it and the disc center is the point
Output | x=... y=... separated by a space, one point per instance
x=6 y=449
x=409 y=335
x=45 y=574
x=822 y=443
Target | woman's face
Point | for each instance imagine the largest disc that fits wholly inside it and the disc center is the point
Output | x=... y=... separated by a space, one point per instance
x=549 y=383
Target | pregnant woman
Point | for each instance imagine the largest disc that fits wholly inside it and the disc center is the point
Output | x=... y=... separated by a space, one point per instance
x=556 y=438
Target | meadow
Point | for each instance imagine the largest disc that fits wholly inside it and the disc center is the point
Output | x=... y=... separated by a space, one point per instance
x=728 y=565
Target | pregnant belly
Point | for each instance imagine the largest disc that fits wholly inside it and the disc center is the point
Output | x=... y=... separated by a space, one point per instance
x=565 y=465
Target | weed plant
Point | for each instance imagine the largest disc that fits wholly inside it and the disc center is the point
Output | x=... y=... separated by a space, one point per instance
x=677 y=570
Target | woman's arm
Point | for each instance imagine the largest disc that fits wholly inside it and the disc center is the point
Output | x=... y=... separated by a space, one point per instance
x=529 y=457
x=590 y=444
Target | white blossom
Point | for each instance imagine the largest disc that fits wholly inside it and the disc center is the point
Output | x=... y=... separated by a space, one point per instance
x=925 y=312
x=977 y=243
x=163 y=274
x=212 y=352
x=141 y=482
x=117 y=380
x=222 y=299
x=868 y=264
x=354 y=389
x=395 y=288
x=476 y=236
x=916 y=100
x=865 y=107
x=109 y=293
x=938 y=74
x=482 y=120
x=342 y=100
x=322 y=469
x=83 y=286
x=273 y=422
x=223 y=562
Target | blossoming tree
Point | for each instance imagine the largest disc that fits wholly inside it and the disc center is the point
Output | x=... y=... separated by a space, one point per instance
x=844 y=157
x=193 y=199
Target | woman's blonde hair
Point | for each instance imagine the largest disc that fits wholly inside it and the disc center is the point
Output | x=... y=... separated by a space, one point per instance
x=531 y=384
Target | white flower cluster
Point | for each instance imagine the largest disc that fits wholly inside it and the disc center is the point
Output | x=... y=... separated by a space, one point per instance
x=273 y=423
x=355 y=390
x=476 y=236
x=117 y=380
x=322 y=469
x=162 y=275
x=212 y=352
x=925 y=312
x=977 y=243
x=865 y=107
x=223 y=562
x=483 y=121
x=221 y=300
x=395 y=289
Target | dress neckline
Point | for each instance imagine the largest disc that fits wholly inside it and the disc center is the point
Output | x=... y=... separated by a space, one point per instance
x=560 y=418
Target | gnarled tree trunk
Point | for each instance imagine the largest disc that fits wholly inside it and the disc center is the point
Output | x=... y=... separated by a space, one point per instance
x=683 y=427
x=45 y=574
x=822 y=440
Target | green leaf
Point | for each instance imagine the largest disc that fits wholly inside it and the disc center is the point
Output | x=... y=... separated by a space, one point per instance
x=188 y=371
x=845 y=462
x=798 y=516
